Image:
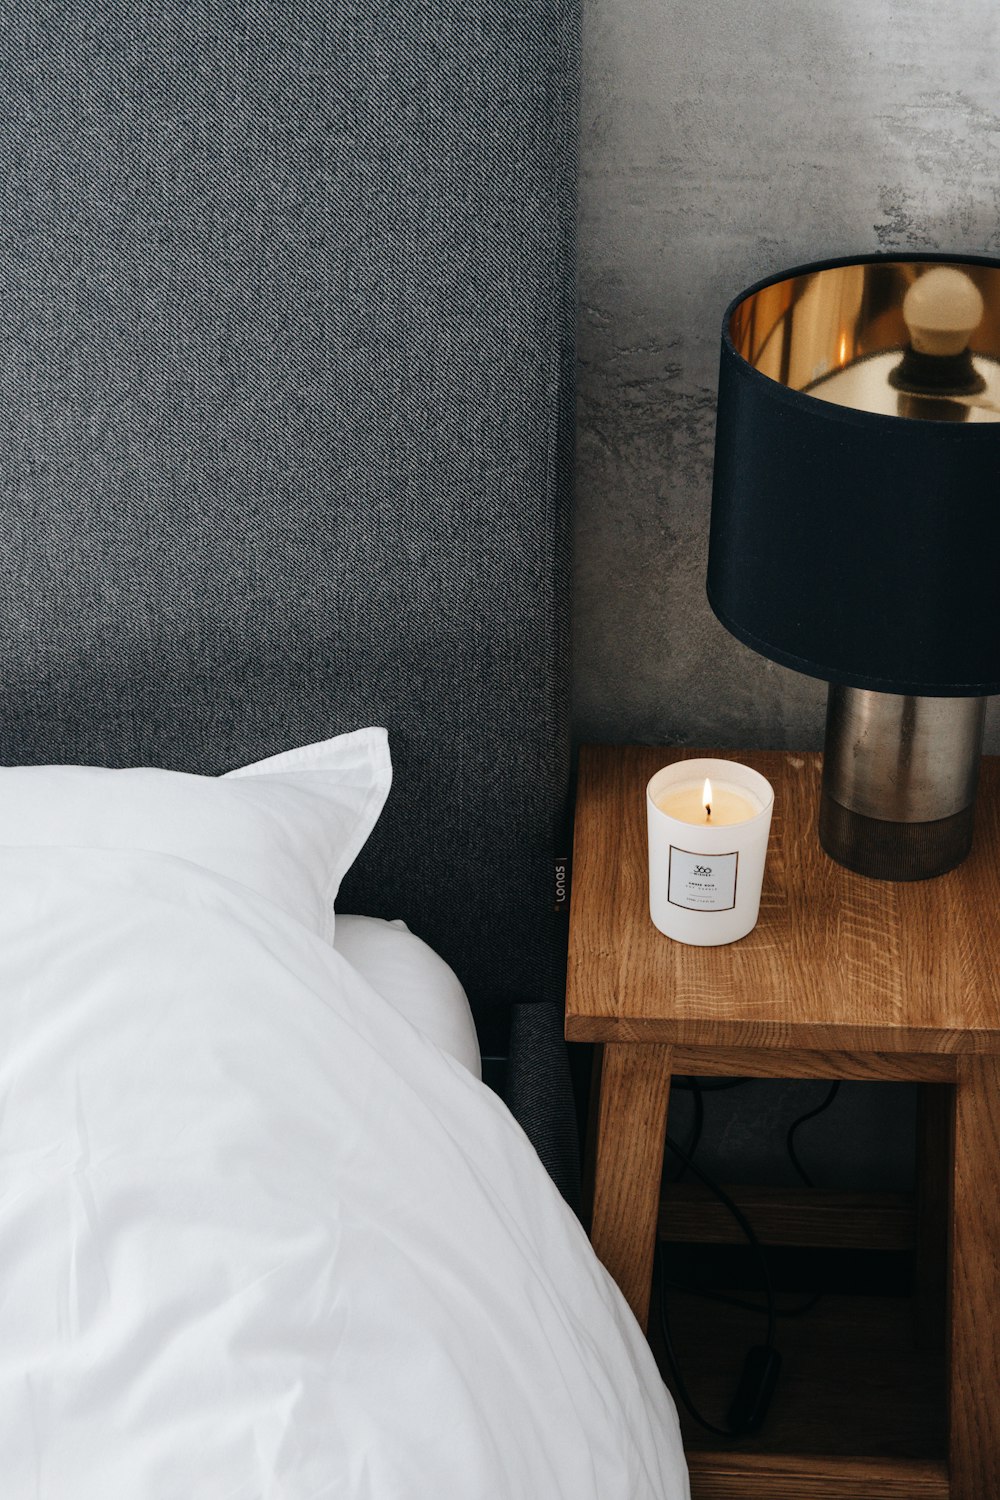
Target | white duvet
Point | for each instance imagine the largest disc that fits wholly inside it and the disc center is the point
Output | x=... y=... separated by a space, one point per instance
x=261 y=1240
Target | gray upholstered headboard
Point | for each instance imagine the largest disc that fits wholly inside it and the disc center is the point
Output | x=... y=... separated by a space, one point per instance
x=286 y=415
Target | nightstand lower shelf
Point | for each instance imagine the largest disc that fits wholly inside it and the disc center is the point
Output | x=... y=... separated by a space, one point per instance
x=718 y=1476
x=859 y=1412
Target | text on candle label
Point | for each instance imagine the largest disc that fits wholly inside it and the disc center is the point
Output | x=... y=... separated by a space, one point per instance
x=702 y=882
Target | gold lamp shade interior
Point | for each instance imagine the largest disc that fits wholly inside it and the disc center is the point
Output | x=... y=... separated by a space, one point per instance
x=841 y=333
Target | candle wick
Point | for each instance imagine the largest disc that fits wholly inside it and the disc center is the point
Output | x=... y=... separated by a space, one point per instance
x=708 y=809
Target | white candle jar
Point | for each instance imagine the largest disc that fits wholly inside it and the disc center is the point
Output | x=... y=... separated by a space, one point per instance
x=705 y=877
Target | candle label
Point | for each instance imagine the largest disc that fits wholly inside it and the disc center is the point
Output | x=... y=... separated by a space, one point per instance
x=702 y=882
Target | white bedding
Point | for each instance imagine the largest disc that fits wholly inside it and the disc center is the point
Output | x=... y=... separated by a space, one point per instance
x=262 y=1240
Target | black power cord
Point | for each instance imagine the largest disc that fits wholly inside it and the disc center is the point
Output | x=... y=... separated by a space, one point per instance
x=763 y=1362
x=693 y=1087
x=699 y=1087
x=793 y=1128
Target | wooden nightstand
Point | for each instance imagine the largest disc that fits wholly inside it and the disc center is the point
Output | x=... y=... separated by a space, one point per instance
x=843 y=977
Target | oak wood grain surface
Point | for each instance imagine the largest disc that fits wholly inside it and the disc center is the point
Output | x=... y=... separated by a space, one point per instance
x=716 y=1476
x=974 y=1448
x=836 y=961
x=690 y=1214
x=792 y=1062
x=631 y=1131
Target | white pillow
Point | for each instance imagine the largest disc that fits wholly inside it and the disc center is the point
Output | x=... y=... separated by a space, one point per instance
x=415 y=980
x=289 y=827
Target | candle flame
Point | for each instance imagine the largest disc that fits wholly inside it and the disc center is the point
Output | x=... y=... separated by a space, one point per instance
x=842 y=351
x=706 y=797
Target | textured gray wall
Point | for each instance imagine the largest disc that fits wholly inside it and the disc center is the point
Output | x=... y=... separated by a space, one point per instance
x=721 y=142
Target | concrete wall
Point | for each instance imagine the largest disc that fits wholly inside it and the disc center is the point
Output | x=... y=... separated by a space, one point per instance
x=722 y=142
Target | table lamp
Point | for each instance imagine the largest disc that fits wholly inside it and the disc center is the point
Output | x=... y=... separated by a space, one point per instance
x=856 y=532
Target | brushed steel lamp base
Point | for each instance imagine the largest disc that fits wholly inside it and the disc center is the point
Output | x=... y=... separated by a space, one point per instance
x=899 y=782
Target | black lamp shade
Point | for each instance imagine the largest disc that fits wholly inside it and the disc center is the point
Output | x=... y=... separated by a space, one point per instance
x=858 y=546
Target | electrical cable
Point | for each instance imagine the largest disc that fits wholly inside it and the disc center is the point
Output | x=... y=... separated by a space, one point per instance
x=697 y=1125
x=811 y=1115
x=745 y=1225
x=680 y=1388
x=686 y=1083
x=815 y=1297
x=762 y=1363
x=831 y=1094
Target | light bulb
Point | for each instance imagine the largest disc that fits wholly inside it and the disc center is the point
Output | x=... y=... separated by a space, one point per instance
x=942 y=308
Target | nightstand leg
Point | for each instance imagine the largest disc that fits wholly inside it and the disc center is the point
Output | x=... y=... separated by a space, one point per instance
x=975 y=1283
x=631 y=1126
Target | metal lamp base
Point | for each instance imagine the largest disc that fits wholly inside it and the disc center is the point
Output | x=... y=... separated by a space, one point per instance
x=894 y=851
x=899 y=782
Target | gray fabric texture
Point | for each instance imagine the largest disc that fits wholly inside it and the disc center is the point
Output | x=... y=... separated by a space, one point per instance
x=286 y=384
x=539 y=1093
